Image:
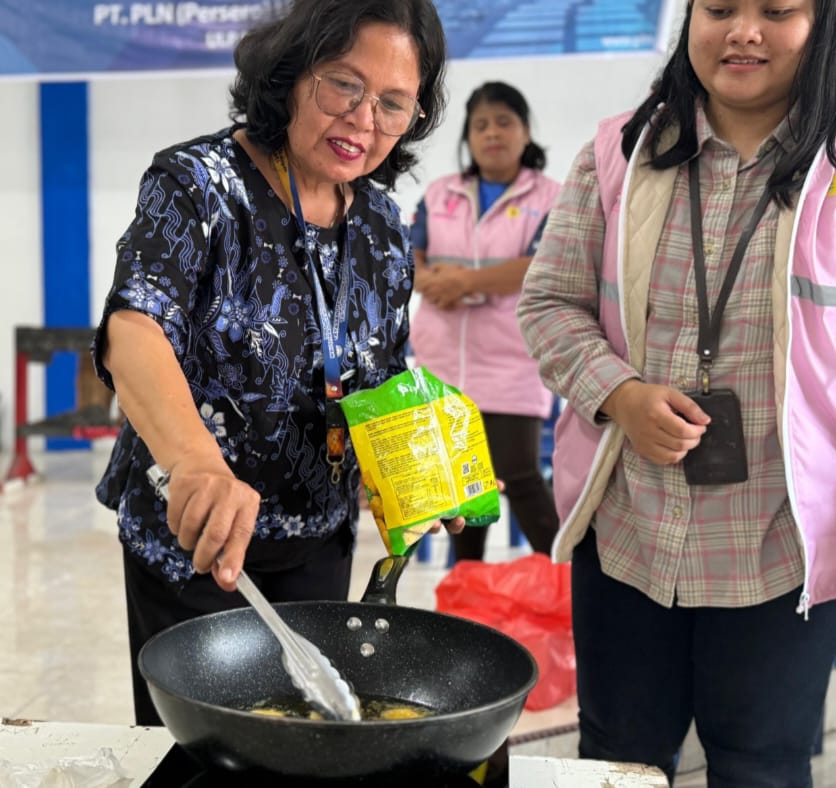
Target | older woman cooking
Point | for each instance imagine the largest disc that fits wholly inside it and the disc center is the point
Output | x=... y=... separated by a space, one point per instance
x=263 y=277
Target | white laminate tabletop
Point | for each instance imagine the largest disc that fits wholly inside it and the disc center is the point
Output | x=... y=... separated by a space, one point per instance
x=535 y=771
x=138 y=750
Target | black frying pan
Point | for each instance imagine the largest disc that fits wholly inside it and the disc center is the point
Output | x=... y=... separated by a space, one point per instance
x=202 y=672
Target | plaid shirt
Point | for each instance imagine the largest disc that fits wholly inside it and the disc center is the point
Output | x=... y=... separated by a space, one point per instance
x=719 y=546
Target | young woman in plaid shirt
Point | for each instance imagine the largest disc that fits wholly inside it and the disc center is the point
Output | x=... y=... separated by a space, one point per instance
x=702 y=589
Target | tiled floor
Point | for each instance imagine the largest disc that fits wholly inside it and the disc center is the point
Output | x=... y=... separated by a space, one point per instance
x=64 y=636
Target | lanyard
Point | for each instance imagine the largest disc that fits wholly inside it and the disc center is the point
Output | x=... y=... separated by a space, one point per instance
x=333 y=326
x=709 y=336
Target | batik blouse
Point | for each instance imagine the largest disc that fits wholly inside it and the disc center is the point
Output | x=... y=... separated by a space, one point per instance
x=218 y=261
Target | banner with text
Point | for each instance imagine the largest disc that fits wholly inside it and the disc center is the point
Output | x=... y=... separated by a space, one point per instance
x=71 y=39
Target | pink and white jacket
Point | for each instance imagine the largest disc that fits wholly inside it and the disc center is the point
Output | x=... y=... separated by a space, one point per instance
x=804 y=314
x=479 y=349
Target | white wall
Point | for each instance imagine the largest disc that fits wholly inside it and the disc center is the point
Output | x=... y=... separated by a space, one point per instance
x=132 y=118
x=129 y=121
x=567 y=97
x=20 y=240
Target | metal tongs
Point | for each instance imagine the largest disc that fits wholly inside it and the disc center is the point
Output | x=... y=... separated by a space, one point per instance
x=309 y=669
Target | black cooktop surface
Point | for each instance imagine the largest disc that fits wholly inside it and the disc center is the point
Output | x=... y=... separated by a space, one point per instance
x=179 y=770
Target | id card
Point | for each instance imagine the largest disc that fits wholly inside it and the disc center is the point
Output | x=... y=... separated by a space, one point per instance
x=720 y=457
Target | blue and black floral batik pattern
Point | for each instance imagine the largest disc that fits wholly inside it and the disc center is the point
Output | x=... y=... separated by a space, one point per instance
x=215 y=258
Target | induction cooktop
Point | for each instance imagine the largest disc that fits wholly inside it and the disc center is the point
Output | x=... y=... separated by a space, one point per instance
x=179 y=770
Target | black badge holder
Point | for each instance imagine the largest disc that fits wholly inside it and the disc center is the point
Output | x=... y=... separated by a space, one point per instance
x=720 y=457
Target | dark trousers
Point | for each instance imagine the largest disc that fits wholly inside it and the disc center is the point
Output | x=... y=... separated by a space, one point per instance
x=515 y=454
x=153 y=605
x=753 y=678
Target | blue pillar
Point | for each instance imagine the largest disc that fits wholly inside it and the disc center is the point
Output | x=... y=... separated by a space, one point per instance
x=66 y=233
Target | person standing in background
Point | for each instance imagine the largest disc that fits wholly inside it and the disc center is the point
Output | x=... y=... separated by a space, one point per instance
x=473 y=237
x=682 y=301
x=266 y=274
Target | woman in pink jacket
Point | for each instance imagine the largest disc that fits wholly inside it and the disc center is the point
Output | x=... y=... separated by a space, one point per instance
x=683 y=301
x=473 y=236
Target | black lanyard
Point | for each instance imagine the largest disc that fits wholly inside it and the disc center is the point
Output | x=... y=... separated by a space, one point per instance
x=709 y=337
x=333 y=326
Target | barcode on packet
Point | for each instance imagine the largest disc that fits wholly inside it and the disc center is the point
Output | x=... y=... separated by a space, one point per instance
x=473 y=489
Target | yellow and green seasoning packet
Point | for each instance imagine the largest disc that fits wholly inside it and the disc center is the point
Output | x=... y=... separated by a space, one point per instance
x=423 y=455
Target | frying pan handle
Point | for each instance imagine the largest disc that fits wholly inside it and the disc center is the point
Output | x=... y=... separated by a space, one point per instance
x=384 y=580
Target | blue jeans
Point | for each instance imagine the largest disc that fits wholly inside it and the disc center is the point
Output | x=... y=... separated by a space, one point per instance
x=753 y=678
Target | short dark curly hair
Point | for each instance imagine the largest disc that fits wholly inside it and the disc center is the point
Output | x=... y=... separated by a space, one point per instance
x=273 y=56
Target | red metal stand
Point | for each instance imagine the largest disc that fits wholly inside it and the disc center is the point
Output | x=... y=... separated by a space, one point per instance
x=37 y=345
x=21 y=467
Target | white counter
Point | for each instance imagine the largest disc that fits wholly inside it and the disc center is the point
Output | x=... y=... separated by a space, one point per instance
x=138 y=750
x=530 y=772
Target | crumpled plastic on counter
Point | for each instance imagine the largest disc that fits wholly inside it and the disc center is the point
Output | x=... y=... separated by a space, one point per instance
x=101 y=770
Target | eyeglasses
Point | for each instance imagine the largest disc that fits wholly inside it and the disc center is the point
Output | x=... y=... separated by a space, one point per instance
x=394 y=113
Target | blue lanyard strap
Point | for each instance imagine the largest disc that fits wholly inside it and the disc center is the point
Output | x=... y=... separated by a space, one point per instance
x=333 y=325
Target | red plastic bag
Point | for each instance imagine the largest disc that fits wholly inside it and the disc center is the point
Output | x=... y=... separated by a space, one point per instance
x=528 y=599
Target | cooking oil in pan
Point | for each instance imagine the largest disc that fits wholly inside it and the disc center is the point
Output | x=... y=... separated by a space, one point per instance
x=370 y=709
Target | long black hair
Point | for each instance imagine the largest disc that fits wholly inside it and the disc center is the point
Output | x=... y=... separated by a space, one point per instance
x=500 y=93
x=672 y=100
x=271 y=58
